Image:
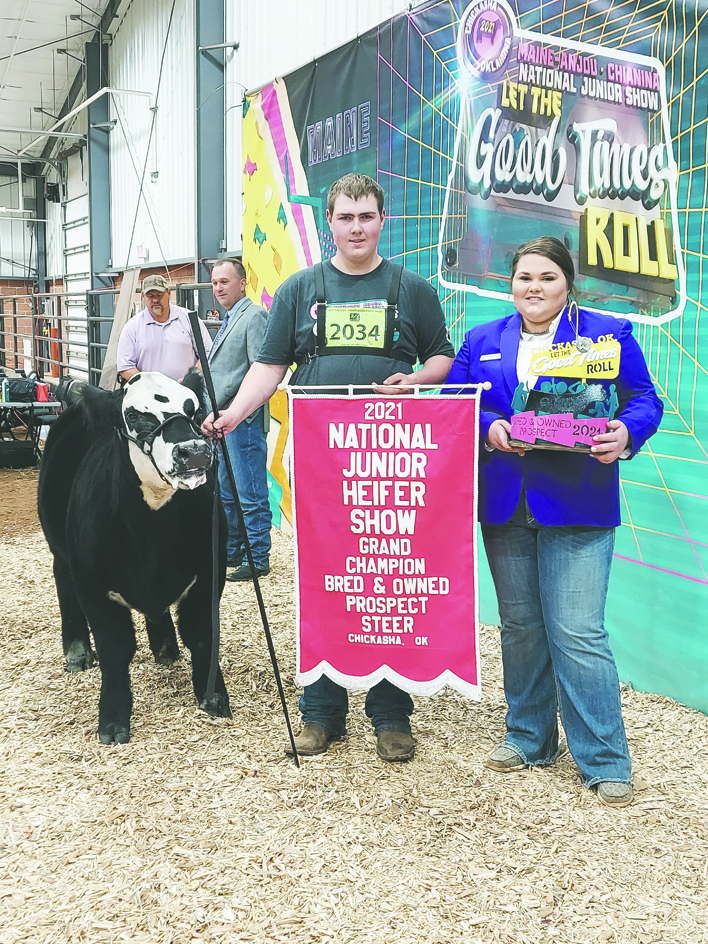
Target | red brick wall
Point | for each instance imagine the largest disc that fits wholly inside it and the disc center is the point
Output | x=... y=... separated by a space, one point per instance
x=15 y=287
x=23 y=307
x=177 y=274
x=10 y=345
x=181 y=273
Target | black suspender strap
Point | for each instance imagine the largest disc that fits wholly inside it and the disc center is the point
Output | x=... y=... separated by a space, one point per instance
x=392 y=307
x=389 y=329
x=395 y=288
x=321 y=308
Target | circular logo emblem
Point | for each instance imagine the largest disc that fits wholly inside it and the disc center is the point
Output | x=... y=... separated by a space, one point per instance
x=583 y=344
x=484 y=38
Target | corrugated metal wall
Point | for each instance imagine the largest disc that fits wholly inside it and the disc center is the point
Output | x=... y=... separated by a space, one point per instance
x=277 y=36
x=163 y=221
x=18 y=249
x=18 y=240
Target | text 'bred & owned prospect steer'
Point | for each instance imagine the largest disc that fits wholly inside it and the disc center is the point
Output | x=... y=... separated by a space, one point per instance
x=125 y=501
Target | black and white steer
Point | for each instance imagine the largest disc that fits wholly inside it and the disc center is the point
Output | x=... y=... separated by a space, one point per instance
x=125 y=501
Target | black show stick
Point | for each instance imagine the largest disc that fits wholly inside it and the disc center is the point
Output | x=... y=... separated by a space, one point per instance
x=199 y=341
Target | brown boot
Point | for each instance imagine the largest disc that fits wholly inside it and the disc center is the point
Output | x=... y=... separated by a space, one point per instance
x=395 y=745
x=313 y=739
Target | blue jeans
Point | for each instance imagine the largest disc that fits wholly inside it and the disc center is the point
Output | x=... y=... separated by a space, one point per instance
x=326 y=703
x=248 y=453
x=551 y=585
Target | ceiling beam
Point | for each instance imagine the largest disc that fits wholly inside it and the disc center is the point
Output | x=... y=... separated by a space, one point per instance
x=52 y=42
x=109 y=14
x=34 y=131
x=21 y=23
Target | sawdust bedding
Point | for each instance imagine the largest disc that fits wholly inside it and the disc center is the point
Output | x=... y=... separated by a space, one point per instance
x=200 y=830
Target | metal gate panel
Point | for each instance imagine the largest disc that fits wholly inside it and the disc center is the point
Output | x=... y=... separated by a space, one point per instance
x=76 y=263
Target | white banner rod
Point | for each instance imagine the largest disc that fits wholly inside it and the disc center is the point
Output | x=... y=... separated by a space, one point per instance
x=350 y=388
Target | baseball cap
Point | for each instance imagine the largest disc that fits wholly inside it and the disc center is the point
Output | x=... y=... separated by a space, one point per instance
x=154 y=283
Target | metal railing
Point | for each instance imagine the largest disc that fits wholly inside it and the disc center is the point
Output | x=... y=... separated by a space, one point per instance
x=100 y=308
x=12 y=316
x=45 y=332
x=199 y=297
x=41 y=331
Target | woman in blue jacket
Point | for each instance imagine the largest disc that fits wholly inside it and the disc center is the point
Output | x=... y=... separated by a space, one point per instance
x=548 y=522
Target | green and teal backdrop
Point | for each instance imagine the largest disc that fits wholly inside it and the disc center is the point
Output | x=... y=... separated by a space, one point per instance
x=390 y=104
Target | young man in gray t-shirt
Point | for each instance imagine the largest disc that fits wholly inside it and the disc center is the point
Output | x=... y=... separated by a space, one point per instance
x=382 y=358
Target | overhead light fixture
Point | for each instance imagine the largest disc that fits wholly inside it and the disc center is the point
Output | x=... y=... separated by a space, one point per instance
x=43 y=111
x=106 y=37
x=233 y=46
x=65 y=52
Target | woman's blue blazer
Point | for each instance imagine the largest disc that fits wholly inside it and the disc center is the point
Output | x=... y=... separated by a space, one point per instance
x=562 y=488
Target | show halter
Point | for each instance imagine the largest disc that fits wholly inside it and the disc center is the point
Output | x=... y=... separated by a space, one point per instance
x=144 y=441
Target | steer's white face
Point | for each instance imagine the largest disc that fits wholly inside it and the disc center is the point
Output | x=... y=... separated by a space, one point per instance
x=182 y=457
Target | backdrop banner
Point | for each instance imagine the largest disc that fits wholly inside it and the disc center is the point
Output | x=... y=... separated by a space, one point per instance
x=385 y=571
x=491 y=122
x=569 y=139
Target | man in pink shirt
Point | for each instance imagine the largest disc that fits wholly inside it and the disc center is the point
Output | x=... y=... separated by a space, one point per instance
x=159 y=337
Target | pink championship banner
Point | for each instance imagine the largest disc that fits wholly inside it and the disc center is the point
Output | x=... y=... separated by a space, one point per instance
x=384 y=512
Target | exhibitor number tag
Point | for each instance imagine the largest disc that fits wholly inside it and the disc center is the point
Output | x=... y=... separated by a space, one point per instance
x=361 y=325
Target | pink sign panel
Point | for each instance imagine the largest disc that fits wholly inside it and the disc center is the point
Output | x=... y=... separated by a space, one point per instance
x=563 y=429
x=384 y=503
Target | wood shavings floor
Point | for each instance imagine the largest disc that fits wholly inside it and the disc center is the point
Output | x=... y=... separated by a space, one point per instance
x=200 y=830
